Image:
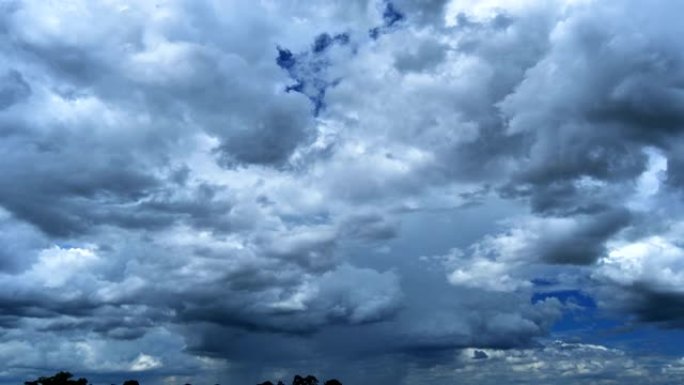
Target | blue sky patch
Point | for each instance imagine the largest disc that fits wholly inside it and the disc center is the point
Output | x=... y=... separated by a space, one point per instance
x=309 y=69
x=391 y=16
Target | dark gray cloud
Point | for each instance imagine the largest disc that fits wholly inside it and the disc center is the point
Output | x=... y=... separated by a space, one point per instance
x=14 y=89
x=591 y=104
x=427 y=56
x=659 y=307
x=584 y=242
x=424 y=11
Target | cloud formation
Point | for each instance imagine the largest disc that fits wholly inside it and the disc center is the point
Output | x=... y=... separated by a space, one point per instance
x=253 y=188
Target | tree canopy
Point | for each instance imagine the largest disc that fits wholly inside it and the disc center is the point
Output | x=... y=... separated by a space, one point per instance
x=61 y=378
x=65 y=378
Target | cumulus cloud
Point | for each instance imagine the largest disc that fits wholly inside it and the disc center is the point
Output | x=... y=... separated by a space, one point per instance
x=558 y=362
x=254 y=183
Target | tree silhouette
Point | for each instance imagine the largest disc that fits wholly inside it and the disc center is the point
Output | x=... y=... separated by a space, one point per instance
x=65 y=378
x=308 y=380
x=61 y=378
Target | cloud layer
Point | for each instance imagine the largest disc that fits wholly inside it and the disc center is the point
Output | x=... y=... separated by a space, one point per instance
x=247 y=189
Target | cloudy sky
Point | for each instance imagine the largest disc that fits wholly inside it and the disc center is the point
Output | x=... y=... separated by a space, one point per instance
x=412 y=192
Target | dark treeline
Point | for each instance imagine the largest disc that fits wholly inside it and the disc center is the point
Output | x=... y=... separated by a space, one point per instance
x=308 y=380
x=66 y=378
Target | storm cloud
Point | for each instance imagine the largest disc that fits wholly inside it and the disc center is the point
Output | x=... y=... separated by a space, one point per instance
x=378 y=191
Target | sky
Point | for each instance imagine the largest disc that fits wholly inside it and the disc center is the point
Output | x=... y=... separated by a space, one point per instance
x=405 y=192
